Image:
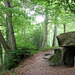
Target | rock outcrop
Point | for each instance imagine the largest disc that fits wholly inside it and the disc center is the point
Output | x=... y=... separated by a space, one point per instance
x=66 y=42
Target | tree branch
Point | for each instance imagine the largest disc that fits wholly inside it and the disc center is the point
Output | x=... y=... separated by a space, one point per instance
x=31 y=8
x=14 y=6
x=70 y=7
x=35 y=10
x=3 y=42
x=1 y=25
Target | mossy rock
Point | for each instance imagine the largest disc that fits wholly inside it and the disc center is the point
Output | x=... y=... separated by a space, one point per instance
x=57 y=57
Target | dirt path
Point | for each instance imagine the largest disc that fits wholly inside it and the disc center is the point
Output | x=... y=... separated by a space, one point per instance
x=37 y=65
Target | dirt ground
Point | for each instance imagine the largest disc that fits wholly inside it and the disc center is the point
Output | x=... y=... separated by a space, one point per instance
x=37 y=64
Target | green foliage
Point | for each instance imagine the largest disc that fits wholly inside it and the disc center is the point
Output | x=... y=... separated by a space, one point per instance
x=37 y=38
x=16 y=56
x=27 y=31
x=44 y=49
x=26 y=43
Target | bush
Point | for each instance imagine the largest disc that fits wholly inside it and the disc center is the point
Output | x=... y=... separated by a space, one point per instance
x=37 y=38
x=16 y=56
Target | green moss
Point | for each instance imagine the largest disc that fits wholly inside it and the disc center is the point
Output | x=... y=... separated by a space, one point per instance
x=57 y=57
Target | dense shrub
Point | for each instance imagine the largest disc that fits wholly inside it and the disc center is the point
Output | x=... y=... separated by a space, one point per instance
x=37 y=38
x=16 y=56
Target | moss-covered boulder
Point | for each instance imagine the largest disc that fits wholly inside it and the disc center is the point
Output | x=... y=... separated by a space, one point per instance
x=56 y=59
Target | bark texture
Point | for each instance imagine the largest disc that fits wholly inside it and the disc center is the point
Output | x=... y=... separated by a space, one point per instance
x=3 y=42
x=54 y=37
x=46 y=28
x=10 y=30
x=1 y=55
x=64 y=27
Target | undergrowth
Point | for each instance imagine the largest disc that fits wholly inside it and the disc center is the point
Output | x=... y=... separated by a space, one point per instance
x=16 y=56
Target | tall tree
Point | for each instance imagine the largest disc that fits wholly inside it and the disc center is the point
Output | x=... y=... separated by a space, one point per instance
x=54 y=37
x=3 y=42
x=1 y=54
x=64 y=27
x=10 y=30
x=46 y=28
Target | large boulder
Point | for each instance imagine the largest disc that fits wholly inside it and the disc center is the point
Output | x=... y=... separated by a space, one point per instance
x=66 y=39
x=67 y=52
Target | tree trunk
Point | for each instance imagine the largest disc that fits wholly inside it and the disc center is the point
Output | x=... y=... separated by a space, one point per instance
x=3 y=42
x=11 y=36
x=7 y=36
x=1 y=53
x=45 y=30
x=64 y=28
x=24 y=30
x=54 y=37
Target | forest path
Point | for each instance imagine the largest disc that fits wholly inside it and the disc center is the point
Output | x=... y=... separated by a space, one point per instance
x=38 y=65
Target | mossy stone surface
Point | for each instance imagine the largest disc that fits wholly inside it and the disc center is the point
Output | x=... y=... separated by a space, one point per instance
x=57 y=57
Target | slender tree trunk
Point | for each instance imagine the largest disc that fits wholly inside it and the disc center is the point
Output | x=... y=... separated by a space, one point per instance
x=11 y=36
x=1 y=53
x=7 y=36
x=54 y=37
x=8 y=42
x=21 y=36
x=45 y=30
x=24 y=31
x=3 y=42
x=64 y=27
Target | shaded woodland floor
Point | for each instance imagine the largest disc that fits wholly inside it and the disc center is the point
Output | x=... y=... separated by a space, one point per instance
x=37 y=64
